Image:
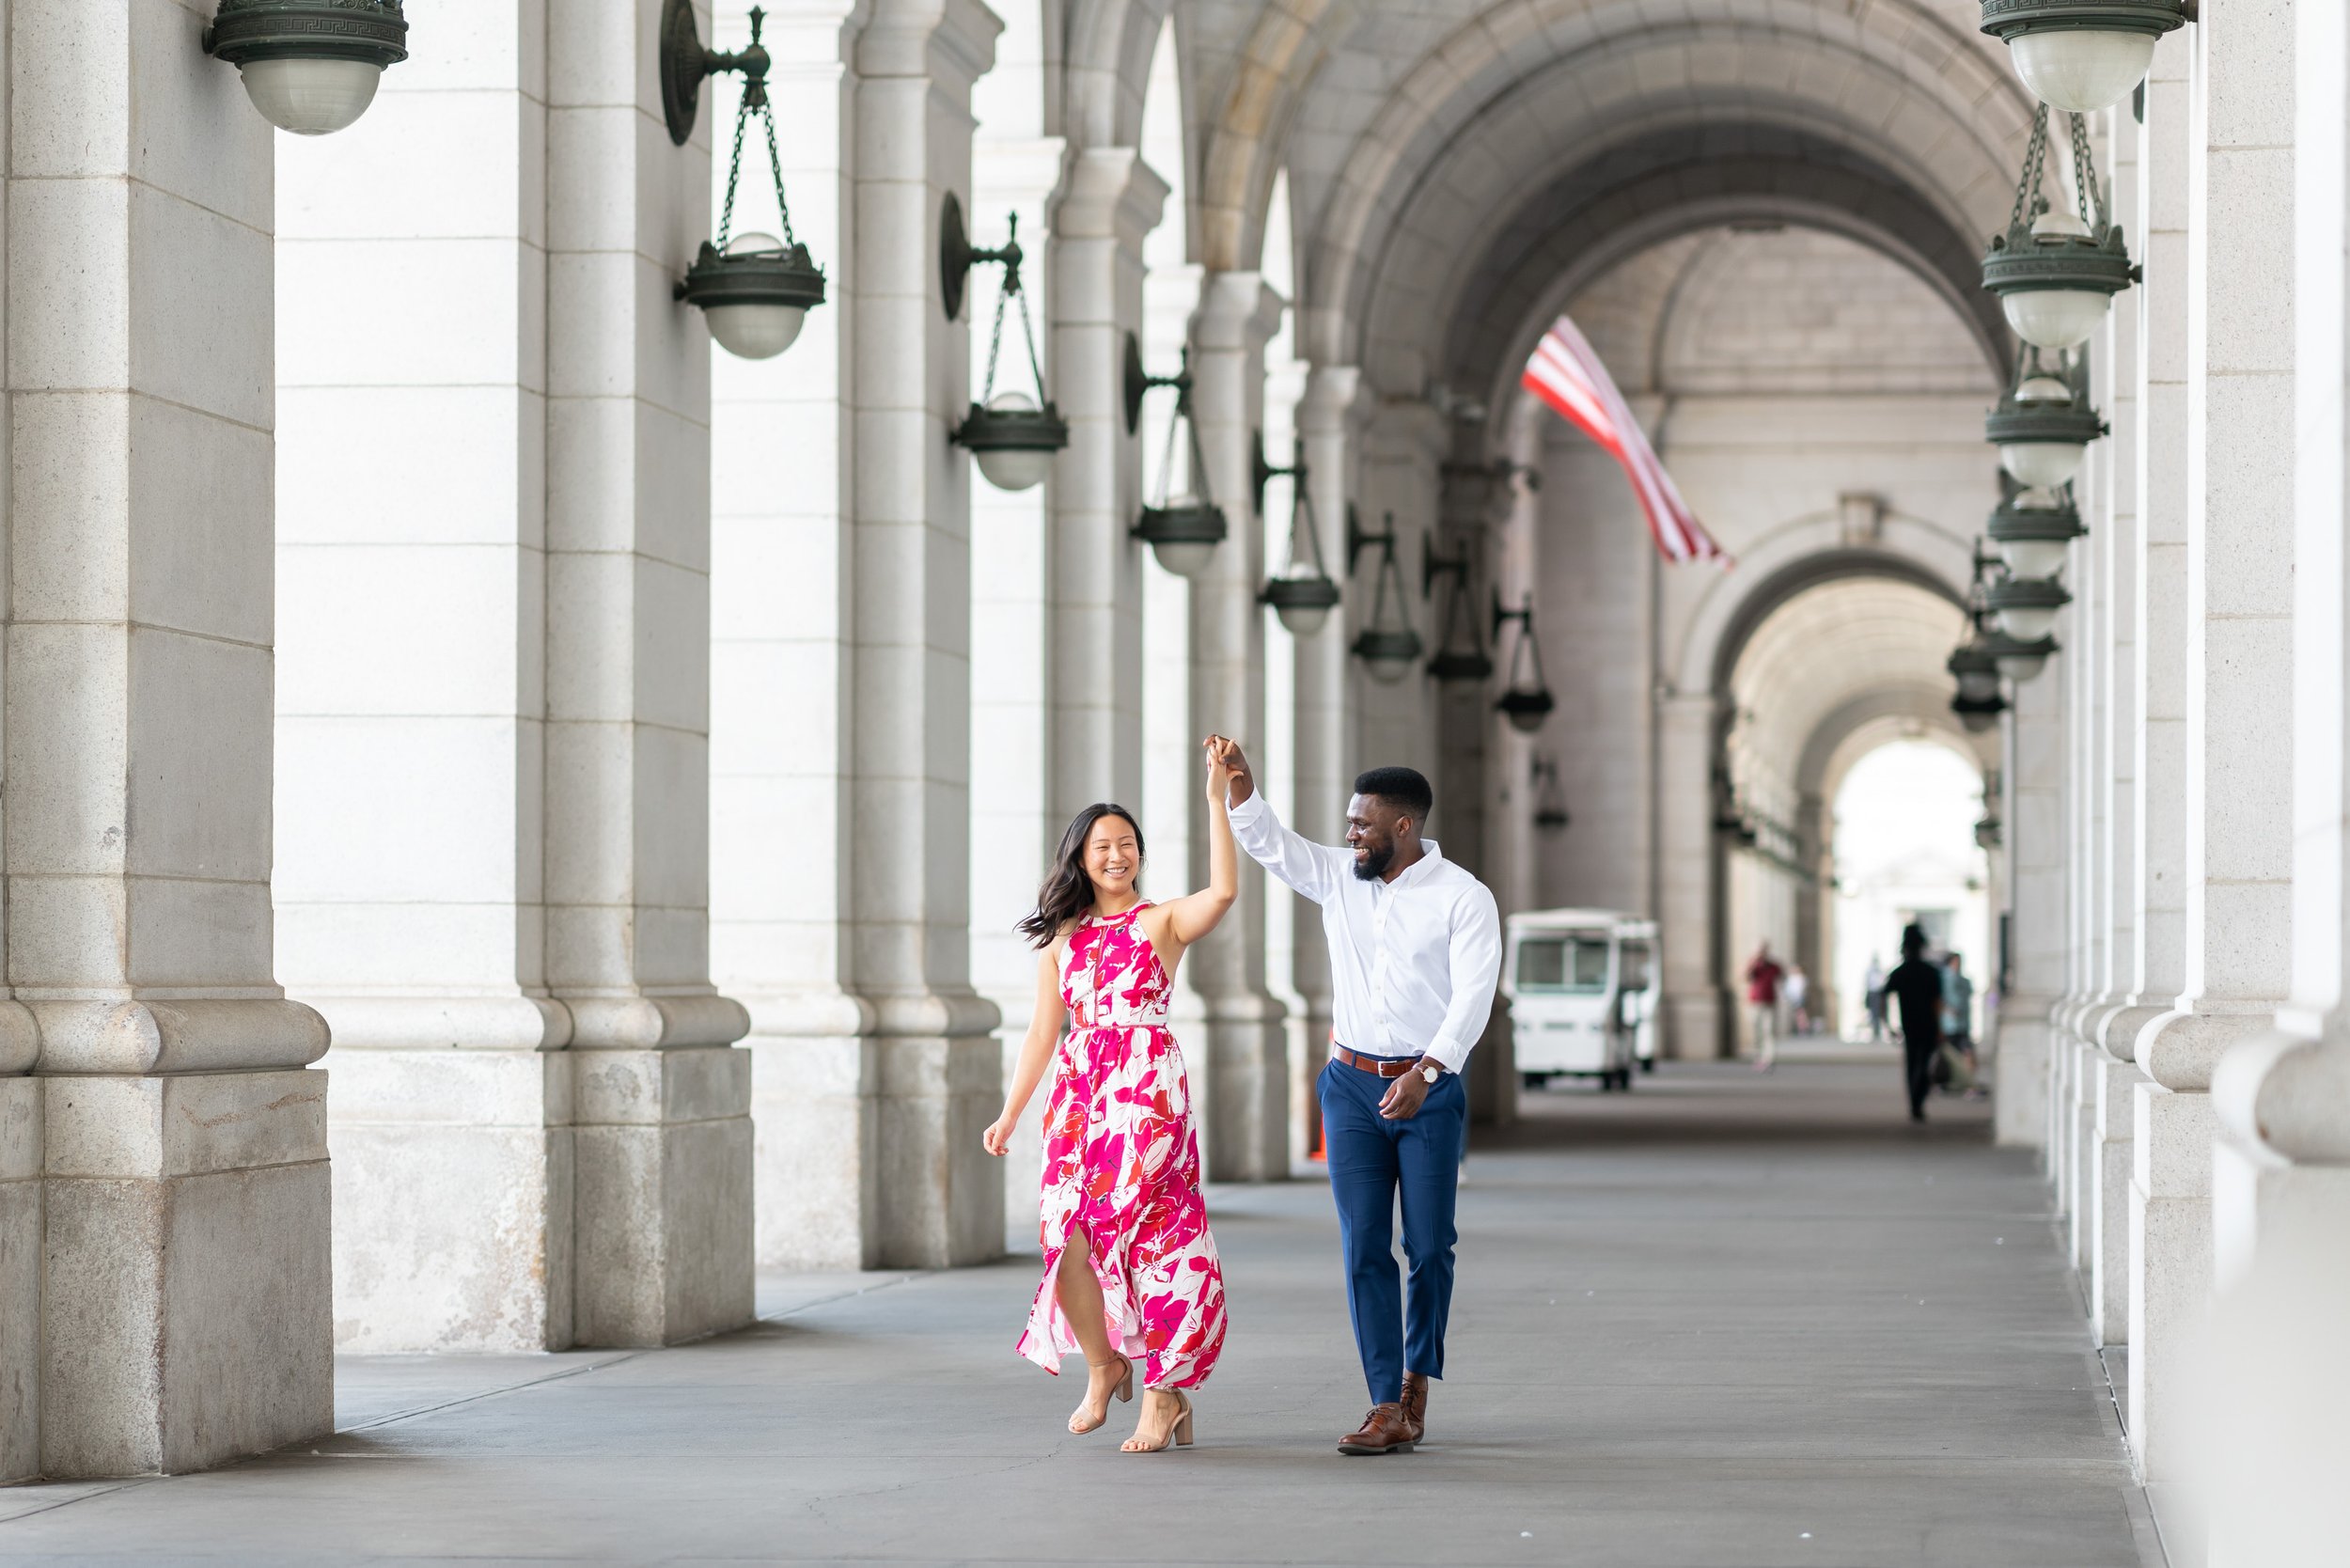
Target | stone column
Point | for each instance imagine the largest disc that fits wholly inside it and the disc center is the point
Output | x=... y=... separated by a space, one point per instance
x=2281 y=1181
x=410 y=689
x=1109 y=200
x=661 y=1136
x=781 y=781
x=1329 y=421
x=2036 y=882
x=1696 y=1020
x=1247 y=1093
x=2115 y=542
x=940 y=1070
x=2239 y=709
x=183 y=1290
x=1017 y=650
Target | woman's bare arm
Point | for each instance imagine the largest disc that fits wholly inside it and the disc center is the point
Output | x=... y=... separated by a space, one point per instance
x=1036 y=1050
x=1190 y=918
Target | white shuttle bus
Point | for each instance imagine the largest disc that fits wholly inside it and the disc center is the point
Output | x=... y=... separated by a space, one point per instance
x=1582 y=991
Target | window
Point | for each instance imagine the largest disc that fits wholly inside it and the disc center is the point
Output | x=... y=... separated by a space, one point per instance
x=1636 y=966
x=1565 y=964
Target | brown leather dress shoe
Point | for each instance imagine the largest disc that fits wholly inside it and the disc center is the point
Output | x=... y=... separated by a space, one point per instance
x=1416 y=1405
x=1383 y=1431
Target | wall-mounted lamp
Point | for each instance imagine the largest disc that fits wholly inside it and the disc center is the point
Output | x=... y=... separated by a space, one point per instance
x=1527 y=700
x=754 y=290
x=311 y=67
x=1303 y=594
x=1011 y=436
x=1550 y=805
x=1183 y=527
x=1459 y=652
x=1388 y=649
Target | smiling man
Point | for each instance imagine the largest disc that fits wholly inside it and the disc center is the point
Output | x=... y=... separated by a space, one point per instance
x=1415 y=951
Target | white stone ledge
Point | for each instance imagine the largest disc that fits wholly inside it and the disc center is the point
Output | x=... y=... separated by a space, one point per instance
x=655 y=1023
x=451 y=1023
x=193 y=1036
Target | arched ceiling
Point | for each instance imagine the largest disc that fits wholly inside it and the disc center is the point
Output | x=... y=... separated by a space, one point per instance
x=1837 y=643
x=1776 y=311
x=1889 y=112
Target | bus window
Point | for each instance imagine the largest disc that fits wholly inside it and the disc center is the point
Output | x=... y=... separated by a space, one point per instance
x=1634 y=967
x=1566 y=965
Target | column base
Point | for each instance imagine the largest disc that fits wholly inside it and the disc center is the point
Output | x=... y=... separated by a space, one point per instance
x=454 y=1190
x=1693 y=1025
x=1248 y=1130
x=941 y=1199
x=2169 y=1270
x=816 y=1106
x=20 y=1278
x=663 y=1195
x=2109 y=1240
x=2019 y=1074
x=185 y=1301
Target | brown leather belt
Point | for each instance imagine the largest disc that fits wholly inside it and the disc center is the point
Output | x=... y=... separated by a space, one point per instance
x=1386 y=1067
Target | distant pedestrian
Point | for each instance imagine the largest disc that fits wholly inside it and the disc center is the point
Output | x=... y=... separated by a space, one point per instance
x=1917 y=982
x=1796 y=991
x=1762 y=977
x=1874 y=990
x=1958 y=1019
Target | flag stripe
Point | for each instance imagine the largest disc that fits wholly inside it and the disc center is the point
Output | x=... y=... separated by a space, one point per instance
x=1568 y=375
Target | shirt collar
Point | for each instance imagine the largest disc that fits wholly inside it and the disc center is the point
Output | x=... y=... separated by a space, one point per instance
x=1429 y=855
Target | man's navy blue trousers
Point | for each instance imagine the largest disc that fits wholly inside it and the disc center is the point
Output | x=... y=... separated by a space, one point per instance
x=1397 y=1325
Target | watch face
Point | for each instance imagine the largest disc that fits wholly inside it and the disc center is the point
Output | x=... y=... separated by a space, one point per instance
x=1431 y=1074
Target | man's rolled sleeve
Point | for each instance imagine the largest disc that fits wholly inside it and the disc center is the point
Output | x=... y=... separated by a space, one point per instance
x=1476 y=953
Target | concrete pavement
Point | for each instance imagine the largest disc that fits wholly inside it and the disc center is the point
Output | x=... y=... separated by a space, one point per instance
x=1727 y=1321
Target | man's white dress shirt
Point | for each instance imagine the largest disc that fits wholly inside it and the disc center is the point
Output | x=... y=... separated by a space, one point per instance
x=1413 y=961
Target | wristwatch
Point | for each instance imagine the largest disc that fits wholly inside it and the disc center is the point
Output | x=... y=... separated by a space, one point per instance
x=1431 y=1073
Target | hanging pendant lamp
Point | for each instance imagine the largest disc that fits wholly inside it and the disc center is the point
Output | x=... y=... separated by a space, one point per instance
x=1527 y=700
x=1389 y=649
x=1303 y=594
x=2081 y=56
x=1460 y=654
x=2056 y=272
x=310 y=66
x=1010 y=434
x=754 y=290
x=1183 y=527
x=2044 y=427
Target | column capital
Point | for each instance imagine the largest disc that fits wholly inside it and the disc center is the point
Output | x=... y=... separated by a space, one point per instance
x=1108 y=192
x=1018 y=173
x=1237 y=313
x=1334 y=401
x=1414 y=423
x=951 y=41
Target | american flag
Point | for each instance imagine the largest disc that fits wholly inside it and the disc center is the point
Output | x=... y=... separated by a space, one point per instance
x=1567 y=375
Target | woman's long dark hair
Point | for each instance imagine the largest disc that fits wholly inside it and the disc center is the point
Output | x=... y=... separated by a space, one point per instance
x=1067 y=892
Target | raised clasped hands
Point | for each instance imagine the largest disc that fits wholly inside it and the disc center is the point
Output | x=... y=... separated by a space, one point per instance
x=1227 y=766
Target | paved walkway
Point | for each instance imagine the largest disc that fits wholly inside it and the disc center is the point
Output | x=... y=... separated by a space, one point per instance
x=1724 y=1322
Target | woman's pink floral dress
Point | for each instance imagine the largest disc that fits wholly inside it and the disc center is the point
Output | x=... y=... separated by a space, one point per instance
x=1122 y=1162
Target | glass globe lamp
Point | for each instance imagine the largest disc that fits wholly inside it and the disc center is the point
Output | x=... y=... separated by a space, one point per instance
x=1183 y=535
x=1012 y=440
x=755 y=294
x=1389 y=655
x=2025 y=608
x=2031 y=531
x=310 y=66
x=2042 y=433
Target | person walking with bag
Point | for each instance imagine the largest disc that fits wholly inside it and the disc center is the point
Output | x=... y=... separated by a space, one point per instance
x=1415 y=952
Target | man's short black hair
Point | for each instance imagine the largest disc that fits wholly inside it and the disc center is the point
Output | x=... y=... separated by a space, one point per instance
x=1403 y=788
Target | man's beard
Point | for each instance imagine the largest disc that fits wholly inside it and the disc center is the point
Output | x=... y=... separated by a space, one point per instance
x=1374 y=864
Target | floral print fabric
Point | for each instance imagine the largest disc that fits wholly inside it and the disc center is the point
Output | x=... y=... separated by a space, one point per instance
x=1121 y=1162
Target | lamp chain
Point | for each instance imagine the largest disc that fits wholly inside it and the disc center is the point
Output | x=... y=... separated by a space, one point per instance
x=754 y=99
x=2092 y=203
x=996 y=339
x=2034 y=151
